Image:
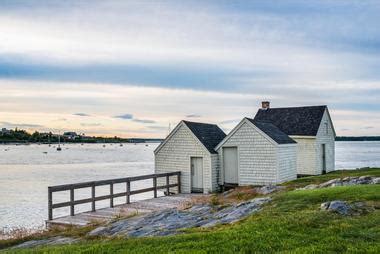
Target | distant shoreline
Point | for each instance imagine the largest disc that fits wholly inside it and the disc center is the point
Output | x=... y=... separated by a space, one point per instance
x=141 y=140
x=358 y=138
x=74 y=142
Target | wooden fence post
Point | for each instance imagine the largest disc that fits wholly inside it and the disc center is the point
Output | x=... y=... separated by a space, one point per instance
x=167 y=185
x=50 y=203
x=93 y=208
x=155 y=186
x=179 y=182
x=111 y=194
x=72 y=201
x=128 y=192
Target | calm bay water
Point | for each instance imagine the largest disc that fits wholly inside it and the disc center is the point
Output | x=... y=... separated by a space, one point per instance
x=27 y=171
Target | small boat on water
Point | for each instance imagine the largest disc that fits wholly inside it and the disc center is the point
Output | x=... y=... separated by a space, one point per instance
x=121 y=144
x=59 y=144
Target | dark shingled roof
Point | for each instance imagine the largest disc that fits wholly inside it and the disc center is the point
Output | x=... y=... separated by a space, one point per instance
x=302 y=121
x=273 y=132
x=209 y=134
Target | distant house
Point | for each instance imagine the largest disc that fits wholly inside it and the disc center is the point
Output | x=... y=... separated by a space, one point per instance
x=5 y=131
x=275 y=146
x=70 y=135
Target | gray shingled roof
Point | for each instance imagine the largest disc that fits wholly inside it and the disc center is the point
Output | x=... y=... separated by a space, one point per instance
x=302 y=121
x=209 y=134
x=273 y=132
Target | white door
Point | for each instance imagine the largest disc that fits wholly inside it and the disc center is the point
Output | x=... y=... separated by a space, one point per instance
x=196 y=174
x=230 y=165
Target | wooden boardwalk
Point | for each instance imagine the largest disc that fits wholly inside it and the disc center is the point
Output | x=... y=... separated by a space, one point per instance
x=178 y=201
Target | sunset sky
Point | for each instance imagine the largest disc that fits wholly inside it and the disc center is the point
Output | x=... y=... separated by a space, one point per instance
x=131 y=68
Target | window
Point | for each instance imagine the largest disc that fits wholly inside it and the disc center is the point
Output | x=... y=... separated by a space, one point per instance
x=327 y=128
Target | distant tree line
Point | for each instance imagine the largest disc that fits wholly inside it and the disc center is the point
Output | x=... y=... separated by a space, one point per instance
x=360 y=138
x=22 y=136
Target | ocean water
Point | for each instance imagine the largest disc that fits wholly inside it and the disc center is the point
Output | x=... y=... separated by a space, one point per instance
x=27 y=170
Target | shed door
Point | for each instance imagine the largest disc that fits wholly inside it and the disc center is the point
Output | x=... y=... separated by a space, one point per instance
x=196 y=174
x=323 y=159
x=230 y=165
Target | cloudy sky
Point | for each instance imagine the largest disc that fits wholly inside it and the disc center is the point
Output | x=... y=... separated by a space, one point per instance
x=131 y=68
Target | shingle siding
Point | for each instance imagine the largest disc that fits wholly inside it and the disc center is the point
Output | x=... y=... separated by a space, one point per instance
x=215 y=165
x=309 y=149
x=306 y=156
x=286 y=163
x=175 y=155
x=327 y=138
x=257 y=157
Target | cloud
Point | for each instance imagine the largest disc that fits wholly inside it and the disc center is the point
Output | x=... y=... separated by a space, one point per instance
x=125 y=116
x=20 y=125
x=81 y=114
x=90 y=124
x=166 y=60
x=193 y=116
x=143 y=121
x=160 y=128
x=368 y=127
x=229 y=121
x=137 y=120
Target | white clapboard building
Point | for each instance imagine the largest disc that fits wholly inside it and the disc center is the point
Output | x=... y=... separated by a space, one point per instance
x=275 y=146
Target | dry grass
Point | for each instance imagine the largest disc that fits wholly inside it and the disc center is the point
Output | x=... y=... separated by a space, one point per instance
x=125 y=213
x=234 y=196
x=18 y=233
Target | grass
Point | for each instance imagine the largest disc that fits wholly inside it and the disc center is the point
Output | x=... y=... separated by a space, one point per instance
x=291 y=223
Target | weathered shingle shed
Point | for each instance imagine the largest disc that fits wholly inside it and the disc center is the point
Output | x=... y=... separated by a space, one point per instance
x=312 y=128
x=274 y=147
x=257 y=153
x=189 y=148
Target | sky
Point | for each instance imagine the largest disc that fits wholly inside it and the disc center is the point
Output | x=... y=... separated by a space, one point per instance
x=136 y=68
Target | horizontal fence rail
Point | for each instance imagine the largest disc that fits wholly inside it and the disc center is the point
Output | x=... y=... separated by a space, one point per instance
x=112 y=195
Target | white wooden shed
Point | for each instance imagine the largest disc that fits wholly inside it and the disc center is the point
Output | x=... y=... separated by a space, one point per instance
x=274 y=147
x=256 y=153
x=313 y=130
x=189 y=148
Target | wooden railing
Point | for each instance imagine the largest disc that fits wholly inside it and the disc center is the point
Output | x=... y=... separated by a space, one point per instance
x=128 y=193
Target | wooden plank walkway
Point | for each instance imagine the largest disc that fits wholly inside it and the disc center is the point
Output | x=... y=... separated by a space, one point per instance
x=178 y=201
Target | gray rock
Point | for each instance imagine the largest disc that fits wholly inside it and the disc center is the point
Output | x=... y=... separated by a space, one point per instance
x=267 y=189
x=325 y=206
x=329 y=183
x=337 y=206
x=344 y=182
x=49 y=241
x=98 y=231
x=171 y=221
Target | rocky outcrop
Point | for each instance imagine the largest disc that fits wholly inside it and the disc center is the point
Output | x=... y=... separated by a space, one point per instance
x=267 y=189
x=49 y=241
x=344 y=182
x=336 y=206
x=344 y=208
x=171 y=221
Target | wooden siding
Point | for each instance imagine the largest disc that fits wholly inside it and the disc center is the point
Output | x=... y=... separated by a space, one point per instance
x=175 y=155
x=215 y=166
x=286 y=163
x=309 y=149
x=306 y=156
x=256 y=156
x=327 y=138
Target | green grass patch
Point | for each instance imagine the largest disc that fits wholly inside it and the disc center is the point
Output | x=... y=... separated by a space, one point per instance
x=291 y=223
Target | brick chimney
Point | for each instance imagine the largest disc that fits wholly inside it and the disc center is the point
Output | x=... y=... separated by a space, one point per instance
x=265 y=104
